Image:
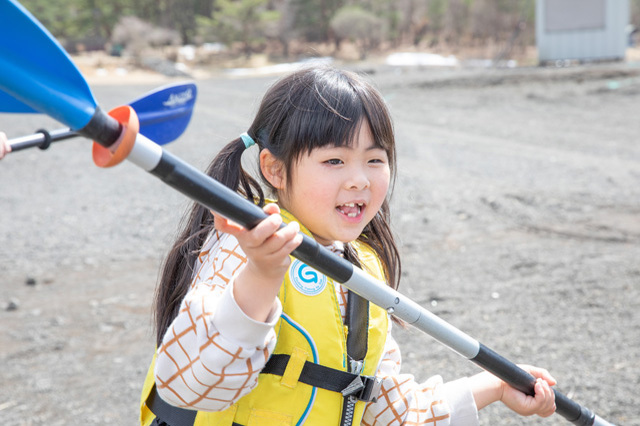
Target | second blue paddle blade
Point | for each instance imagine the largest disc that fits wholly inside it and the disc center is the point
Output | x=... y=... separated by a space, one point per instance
x=166 y=113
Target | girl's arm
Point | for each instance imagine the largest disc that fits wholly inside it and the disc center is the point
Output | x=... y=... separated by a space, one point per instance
x=267 y=248
x=213 y=351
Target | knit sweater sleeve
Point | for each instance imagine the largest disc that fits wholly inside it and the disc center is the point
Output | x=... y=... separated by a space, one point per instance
x=404 y=401
x=212 y=352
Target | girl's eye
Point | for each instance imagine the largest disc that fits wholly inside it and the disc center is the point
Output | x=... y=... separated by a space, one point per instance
x=334 y=161
x=378 y=156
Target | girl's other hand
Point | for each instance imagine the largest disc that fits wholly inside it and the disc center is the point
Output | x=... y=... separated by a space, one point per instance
x=543 y=403
x=488 y=388
x=267 y=247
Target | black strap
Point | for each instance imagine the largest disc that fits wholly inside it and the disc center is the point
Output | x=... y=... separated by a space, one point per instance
x=171 y=415
x=328 y=378
x=358 y=322
x=358 y=326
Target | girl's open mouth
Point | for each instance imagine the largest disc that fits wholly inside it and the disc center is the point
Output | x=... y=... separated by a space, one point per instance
x=351 y=210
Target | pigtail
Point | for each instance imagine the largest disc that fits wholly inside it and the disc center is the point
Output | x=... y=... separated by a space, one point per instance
x=197 y=224
x=177 y=269
x=226 y=168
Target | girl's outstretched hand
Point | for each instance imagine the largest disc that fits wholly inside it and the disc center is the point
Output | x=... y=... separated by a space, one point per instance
x=487 y=389
x=267 y=248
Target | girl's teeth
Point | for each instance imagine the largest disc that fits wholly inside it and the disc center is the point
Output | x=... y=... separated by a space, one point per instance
x=350 y=206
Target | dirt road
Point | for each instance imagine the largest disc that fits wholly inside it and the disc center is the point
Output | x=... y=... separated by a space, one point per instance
x=517 y=206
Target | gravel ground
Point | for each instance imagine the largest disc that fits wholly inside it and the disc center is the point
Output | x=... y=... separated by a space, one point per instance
x=517 y=207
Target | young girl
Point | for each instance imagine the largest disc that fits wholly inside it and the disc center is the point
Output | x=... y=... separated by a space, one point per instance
x=248 y=336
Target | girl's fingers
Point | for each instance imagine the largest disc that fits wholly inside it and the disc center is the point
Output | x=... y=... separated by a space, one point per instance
x=266 y=228
x=225 y=225
x=549 y=378
x=544 y=394
x=268 y=235
x=271 y=208
x=283 y=241
x=263 y=230
x=289 y=237
x=541 y=373
x=545 y=397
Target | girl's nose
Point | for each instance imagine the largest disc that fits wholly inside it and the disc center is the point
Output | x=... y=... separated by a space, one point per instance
x=358 y=179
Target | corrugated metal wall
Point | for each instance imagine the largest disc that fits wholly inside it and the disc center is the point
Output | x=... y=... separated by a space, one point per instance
x=585 y=30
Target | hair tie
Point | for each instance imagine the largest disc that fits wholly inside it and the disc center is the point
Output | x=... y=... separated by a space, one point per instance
x=248 y=140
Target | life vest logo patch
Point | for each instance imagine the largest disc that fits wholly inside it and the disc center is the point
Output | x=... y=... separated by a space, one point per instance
x=305 y=279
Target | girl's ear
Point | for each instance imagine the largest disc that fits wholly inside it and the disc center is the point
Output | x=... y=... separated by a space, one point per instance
x=272 y=169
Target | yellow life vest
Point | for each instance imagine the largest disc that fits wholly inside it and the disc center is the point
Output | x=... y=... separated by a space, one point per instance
x=310 y=329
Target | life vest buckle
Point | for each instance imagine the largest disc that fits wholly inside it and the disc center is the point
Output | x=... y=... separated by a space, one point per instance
x=363 y=388
x=371 y=389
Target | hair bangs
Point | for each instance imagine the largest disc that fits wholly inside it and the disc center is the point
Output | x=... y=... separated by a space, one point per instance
x=327 y=113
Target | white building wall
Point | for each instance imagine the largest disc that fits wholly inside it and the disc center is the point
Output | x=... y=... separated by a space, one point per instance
x=575 y=29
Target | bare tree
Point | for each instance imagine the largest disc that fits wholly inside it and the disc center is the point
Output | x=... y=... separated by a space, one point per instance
x=239 y=21
x=359 y=26
x=284 y=28
x=136 y=35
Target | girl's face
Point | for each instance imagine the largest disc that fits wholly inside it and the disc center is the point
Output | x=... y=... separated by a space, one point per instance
x=336 y=191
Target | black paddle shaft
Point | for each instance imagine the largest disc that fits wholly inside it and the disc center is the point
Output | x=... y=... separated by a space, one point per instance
x=102 y=128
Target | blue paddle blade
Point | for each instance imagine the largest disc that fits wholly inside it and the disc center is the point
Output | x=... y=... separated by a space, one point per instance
x=165 y=113
x=10 y=104
x=36 y=70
